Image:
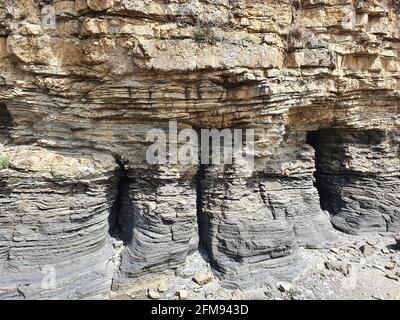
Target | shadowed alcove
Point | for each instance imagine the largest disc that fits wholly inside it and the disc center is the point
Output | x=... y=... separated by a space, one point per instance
x=5 y=121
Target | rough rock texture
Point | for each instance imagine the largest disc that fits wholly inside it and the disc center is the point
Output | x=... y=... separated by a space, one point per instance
x=359 y=175
x=342 y=272
x=76 y=103
x=164 y=228
x=54 y=217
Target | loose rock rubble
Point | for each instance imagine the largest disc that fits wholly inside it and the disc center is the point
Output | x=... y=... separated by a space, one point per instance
x=202 y=278
x=342 y=273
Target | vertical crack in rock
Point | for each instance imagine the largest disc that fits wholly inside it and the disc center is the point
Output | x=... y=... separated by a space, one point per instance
x=312 y=140
x=202 y=220
x=357 y=176
x=121 y=218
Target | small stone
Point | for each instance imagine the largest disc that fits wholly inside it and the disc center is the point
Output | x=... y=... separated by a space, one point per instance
x=202 y=278
x=390 y=266
x=182 y=294
x=334 y=266
x=385 y=250
x=284 y=286
x=367 y=250
x=153 y=295
x=162 y=287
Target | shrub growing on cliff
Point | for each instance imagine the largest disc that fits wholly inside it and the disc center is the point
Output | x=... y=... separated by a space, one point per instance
x=199 y=35
x=204 y=34
x=4 y=162
x=23 y=14
x=295 y=34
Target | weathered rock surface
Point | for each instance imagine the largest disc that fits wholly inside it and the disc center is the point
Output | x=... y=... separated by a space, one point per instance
x=317 y=80
x=359 y=173
x=164 y=226
x=54 y=213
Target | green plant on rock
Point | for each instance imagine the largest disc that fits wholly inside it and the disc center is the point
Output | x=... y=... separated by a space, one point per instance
x=200 y=35
x=204 y=35
x=23 y=13
x=4 y=163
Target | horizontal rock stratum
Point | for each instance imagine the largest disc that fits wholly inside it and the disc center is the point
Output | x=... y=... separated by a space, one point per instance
x=318 y=81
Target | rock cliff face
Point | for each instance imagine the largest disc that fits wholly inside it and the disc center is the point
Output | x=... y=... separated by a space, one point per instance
x=318 y=81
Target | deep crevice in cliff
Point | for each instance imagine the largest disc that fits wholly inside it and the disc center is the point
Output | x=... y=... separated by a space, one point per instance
x=325 y=196
x=202 y=219
x=121 y=216
x=352 y=178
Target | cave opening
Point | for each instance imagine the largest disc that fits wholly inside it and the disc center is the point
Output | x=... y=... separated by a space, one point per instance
x=345 y=161
x=352 y=177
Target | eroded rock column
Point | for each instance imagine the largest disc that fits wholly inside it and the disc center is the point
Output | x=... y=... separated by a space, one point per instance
x=158 y=212
x=253 y=222
x=54 y=210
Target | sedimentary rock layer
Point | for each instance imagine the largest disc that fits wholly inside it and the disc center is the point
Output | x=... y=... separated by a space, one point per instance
x=161 y=210
x=318 y=81
x=54 y=211
x=358 y=173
